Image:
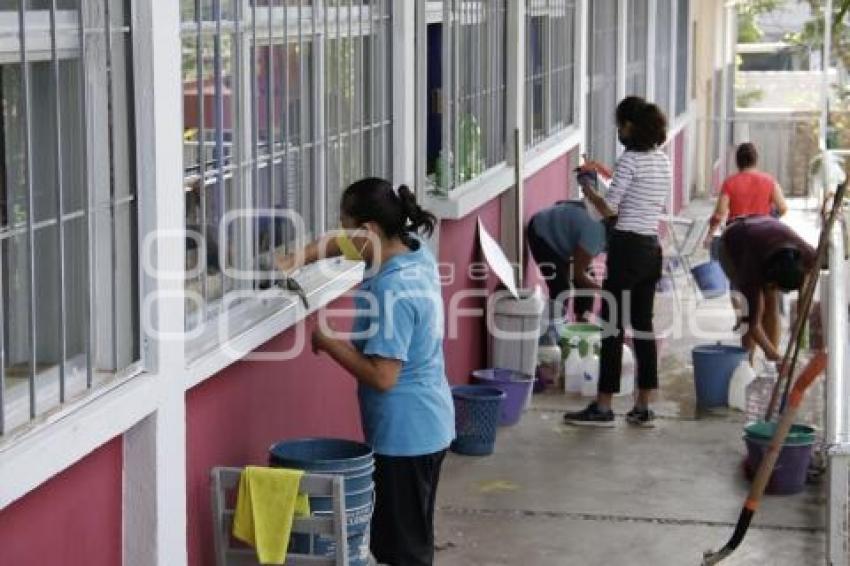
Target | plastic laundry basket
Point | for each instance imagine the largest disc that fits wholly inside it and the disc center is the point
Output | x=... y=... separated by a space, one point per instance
x=477 y=410
x=514 y=384
x=515 y=332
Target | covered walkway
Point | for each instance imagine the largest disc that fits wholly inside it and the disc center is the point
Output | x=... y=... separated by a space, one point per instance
x=553 y=494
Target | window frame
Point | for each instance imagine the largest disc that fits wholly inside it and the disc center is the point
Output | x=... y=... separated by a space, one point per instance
x=554 y=138
x=464 y=197
x=53 y=36
x=210 y=333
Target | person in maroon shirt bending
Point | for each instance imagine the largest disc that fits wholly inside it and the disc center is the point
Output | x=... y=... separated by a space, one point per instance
x=762 y=255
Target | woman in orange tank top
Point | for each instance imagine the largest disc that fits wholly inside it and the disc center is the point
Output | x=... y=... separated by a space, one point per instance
x=749 y=192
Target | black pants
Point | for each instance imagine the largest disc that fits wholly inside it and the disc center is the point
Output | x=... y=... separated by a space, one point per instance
x=633 y=271
x=403 y=521
x=556 y=271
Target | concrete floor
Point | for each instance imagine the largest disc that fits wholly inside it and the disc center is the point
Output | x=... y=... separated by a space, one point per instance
x=558 y=495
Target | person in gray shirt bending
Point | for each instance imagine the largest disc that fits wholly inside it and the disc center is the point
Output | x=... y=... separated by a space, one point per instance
x=562 y=235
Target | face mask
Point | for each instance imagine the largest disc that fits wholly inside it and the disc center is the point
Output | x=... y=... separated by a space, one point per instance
x=348 y=249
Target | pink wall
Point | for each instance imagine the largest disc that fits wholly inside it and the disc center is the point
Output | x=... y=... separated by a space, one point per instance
x=234 y=417
x=549 y=185
x=466 y=350
x=75 y=518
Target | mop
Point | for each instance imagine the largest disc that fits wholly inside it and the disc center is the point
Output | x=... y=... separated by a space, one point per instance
x=792 y=396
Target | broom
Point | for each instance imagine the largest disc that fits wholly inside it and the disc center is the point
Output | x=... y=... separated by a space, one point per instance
x=814 y=368
x=792 y=351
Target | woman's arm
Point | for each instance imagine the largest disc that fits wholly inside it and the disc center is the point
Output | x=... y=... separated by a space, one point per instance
x=718 y=217
x=755 y=332
x=374 y=371
x=581 y=263
x=322 y=248
x=598 y=201
x=779 y=200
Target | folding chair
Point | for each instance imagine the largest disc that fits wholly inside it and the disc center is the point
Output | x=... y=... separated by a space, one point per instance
x=682 y=248
x=225 y=482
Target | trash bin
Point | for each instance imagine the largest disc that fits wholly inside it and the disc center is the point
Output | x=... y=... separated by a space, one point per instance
x=515 y=332
x=477 y=412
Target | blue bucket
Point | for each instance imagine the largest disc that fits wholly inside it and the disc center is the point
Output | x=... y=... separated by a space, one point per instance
x=711 y=279
x=358 y=521
x=353 y=500
x=477 y=415
x=321 y=455
x=713 y=368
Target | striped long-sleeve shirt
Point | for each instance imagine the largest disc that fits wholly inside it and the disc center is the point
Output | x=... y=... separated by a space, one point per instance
x=639 y=190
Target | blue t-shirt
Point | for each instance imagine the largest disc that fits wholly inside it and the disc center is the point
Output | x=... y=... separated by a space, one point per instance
x=400 y=317
x=566 y=226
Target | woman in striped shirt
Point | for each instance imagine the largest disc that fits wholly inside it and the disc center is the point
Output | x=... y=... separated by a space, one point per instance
x=637 y=197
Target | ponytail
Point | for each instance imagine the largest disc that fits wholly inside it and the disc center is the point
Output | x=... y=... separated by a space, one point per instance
x=419 y=219
x=374 y=200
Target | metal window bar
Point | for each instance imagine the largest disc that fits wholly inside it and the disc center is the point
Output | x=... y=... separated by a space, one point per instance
x=27 y=119
x=202 y=157
x=219 y=132
x=255 y=145
x=349 y=81
x=91 y=227
x=107 y=31
x=270 y=114
x=303 y=135
x=60 y=201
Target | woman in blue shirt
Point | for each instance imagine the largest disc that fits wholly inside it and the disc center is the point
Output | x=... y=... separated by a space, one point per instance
x=396 y=355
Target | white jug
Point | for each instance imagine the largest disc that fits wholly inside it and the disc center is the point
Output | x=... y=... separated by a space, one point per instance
x=741 y=378
x=590 y=374
x=573 y=369
x=627 y=373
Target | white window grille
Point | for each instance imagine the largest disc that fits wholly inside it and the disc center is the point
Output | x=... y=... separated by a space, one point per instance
x=637 y=30
x=603 y=35
x=466 y=89
x=663 y=54
x=682 y=38
x=550 y=68
x=68 y=210
x=285 y=104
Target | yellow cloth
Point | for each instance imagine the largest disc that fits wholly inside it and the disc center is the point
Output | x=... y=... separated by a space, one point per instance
x=266 y=504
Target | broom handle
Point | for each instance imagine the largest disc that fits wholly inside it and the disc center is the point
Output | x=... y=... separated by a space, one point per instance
x=809 y=374
x=792 y=350
x=812 y=370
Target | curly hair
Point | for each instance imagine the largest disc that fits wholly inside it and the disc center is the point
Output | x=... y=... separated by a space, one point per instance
x=648 y=123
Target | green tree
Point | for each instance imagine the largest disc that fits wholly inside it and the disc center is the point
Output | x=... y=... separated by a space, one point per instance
x=748 y=12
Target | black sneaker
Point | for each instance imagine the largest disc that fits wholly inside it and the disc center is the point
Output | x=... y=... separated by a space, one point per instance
x=591 y=415
x=641 y=417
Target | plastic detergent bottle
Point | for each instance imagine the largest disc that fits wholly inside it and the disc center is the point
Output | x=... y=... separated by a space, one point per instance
x=741 y=379
x=573 y=368
x=759 y=392
x=549 y=364
x=627 y=373
x=590 y=372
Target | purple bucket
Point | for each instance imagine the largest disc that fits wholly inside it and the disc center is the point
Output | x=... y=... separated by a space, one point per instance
x=792 y=466
x=514 y=384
